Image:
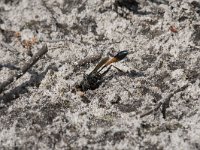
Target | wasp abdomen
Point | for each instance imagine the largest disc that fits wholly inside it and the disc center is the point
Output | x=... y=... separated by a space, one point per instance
x=121 y=55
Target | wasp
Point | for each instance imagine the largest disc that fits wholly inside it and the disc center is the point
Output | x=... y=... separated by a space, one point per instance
x=94 y=79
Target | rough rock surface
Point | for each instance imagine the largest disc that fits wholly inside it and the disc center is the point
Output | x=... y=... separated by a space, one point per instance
x=163 y=39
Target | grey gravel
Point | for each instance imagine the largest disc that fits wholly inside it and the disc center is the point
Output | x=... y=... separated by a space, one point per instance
x=46 y=113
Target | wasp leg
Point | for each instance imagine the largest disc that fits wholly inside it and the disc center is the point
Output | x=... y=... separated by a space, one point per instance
x=118 y=69
x=109 y=69
x=106 y=71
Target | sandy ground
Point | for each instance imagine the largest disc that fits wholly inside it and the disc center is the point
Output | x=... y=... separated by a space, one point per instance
x=40 y=110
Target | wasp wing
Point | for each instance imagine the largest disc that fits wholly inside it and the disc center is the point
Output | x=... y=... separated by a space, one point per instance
x=100 y=64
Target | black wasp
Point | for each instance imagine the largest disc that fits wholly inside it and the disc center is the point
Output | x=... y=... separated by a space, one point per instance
x=94 y=79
